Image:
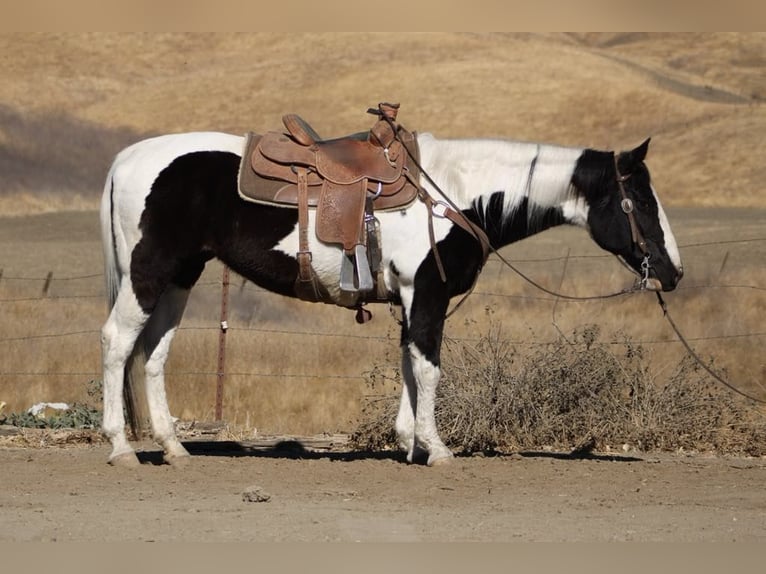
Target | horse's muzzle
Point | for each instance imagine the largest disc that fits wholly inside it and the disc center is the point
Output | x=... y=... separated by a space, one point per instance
x=655 y=284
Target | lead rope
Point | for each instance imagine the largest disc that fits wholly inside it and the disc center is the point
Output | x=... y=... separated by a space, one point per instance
x=696 y=357
x=627 y=207
x=458 y=217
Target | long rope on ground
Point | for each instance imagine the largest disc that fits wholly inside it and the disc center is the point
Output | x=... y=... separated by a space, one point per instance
x=696 y=357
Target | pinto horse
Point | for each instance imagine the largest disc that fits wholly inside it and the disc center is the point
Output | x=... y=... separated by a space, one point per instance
x=171 y=204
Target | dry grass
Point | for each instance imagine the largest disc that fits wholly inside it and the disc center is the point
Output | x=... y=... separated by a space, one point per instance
x=44 y=438
x=576 y=393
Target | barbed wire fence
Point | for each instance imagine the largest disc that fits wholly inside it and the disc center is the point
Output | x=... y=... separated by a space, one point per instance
x=52 y=289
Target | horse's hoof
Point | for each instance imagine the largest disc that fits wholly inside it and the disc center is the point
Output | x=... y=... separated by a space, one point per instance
x=177 y=461
x=440 y=460
x=125 y=460
x=417 y=456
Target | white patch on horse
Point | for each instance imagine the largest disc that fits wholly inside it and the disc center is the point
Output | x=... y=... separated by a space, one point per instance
x=467 y=170
x=575 y=211
x=670 y=241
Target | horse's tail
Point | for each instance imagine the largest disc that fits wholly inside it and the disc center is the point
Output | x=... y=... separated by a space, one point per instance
x=112 y=273
x=113 y=278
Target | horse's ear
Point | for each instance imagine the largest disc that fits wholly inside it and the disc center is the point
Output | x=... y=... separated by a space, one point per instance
x=639 y=154
x=630 y=159
x=643 y=148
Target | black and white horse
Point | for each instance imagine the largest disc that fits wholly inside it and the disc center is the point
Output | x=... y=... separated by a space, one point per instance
x=171 y=203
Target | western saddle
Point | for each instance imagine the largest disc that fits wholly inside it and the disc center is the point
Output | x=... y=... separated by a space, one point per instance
x=345 y=180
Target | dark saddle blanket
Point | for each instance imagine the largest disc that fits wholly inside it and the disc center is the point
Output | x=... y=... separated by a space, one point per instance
x=344 y=179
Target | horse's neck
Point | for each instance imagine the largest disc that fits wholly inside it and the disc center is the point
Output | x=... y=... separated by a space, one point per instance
x=514 y=189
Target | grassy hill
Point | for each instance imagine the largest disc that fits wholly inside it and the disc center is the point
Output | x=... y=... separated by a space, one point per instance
x=69 y=102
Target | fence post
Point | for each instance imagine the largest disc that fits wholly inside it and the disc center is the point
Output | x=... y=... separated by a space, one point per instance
x=561 y=284
x=47 y=284
x=723 y=264
x=222 y=344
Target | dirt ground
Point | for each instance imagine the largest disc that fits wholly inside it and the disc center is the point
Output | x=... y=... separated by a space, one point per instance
x=71 y=494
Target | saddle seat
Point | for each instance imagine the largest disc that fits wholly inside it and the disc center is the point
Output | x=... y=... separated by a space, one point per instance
x=375 y=155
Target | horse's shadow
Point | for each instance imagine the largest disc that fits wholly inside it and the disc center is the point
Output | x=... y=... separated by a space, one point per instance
x=295 y=450
x=579 y=456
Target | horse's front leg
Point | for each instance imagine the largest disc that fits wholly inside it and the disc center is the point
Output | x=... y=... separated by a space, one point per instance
x=426 y=436
x=405 y=420
x=421 y=341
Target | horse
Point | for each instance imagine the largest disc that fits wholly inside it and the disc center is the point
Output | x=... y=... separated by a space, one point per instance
x=171 y=203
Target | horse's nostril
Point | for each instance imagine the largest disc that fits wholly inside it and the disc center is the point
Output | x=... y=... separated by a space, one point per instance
x=679 y=275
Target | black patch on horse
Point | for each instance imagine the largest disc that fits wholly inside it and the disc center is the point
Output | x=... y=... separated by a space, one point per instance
x=194 y=213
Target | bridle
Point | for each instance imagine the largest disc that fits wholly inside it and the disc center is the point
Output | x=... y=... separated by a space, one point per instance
x=635 y=232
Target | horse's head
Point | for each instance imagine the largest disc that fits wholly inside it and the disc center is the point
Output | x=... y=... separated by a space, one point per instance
x=625 y=216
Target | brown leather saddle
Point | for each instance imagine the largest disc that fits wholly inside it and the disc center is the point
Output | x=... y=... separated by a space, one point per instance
x=345 y=179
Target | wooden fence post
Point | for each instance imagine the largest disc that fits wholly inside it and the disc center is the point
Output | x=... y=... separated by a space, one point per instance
x=561 y=284
x=222 y=344
x=47 y=284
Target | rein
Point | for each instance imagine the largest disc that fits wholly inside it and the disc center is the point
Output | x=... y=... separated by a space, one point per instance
x=447 y=208
x=450 y=210
x=696 y=357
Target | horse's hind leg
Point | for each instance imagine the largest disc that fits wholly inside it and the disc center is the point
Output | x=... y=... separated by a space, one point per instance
x=118 y=337
x=158 y=335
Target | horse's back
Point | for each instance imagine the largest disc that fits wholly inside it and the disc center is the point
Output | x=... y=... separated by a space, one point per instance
x=141 y=162
x=132 y=176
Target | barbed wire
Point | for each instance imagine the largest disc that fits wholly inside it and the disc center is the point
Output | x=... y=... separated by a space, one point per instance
x=324 y=334
x=50 y=280
x=99 y=275
x=50 y=298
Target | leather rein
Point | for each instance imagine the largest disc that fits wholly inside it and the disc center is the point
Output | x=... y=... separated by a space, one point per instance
x=447 y=208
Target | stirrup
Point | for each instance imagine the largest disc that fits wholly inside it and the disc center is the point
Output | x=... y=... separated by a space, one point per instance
x=355 y=276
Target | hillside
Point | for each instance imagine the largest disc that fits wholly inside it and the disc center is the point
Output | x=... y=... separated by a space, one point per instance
x=69 y=102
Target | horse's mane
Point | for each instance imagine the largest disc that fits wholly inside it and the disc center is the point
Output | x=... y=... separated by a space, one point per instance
x=469 y=171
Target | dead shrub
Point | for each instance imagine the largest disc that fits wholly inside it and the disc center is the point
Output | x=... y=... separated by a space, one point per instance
x=579 y=390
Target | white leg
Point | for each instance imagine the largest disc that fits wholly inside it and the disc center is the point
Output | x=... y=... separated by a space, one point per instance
x=416 y=422
x=405 y=420
x=118 y=336
x=159 y=334
x=426 y=436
